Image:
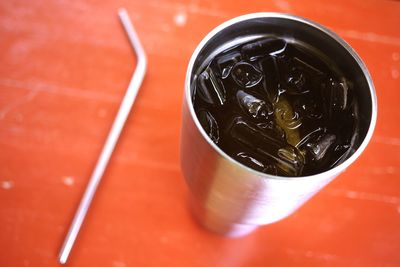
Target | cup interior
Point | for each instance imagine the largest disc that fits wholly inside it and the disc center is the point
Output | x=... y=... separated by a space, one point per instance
x=294 y=29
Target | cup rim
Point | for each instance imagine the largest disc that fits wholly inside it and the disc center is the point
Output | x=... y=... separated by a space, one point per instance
x=328 y=173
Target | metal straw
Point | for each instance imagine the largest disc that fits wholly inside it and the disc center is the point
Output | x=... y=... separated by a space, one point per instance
x=112 y=138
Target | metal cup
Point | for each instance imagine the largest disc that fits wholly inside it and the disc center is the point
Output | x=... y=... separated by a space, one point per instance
x=228 y=197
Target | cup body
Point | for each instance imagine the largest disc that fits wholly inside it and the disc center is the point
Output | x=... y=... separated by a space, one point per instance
x=228 y=197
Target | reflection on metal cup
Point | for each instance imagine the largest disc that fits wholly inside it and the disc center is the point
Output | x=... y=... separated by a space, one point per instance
x=230 y=198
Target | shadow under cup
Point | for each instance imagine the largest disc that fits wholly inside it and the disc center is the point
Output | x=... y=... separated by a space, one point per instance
x=230 y=198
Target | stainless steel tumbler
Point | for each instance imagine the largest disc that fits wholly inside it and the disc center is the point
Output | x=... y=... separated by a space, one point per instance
x=228 y=197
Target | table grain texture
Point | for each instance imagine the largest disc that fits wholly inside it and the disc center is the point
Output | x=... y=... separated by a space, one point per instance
x=64 y=68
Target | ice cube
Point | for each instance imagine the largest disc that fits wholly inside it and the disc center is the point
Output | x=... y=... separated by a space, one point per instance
x=307 y=61
x=306 y=71
x=296 y=82
x=308 y=107
x=250 y=160
x=311 y=135
x=317 y=143
x=246 y=75
x=271 y=125
x=226 y=61
x=271 y=169
x=286 y=158
x=210 y=88
x=262 y=47
x=290 y=161
x=271 y=82
x=303 y=65
x=338 y=94
x=342 y=147
x=255 y=162
x=245 y=132
x=209 y=124
x=290 y=118
x=319 y=147
x=343 y=150
x=253 y=106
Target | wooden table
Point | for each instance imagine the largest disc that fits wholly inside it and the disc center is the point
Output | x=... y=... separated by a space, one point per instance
x=64 y=69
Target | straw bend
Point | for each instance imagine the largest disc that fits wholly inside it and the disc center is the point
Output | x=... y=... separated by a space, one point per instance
x=112 y=138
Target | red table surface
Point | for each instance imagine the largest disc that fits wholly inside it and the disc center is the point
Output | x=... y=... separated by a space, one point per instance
x=65 y=66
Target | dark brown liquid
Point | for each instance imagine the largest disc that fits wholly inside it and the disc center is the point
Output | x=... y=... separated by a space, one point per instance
x=277 y=107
